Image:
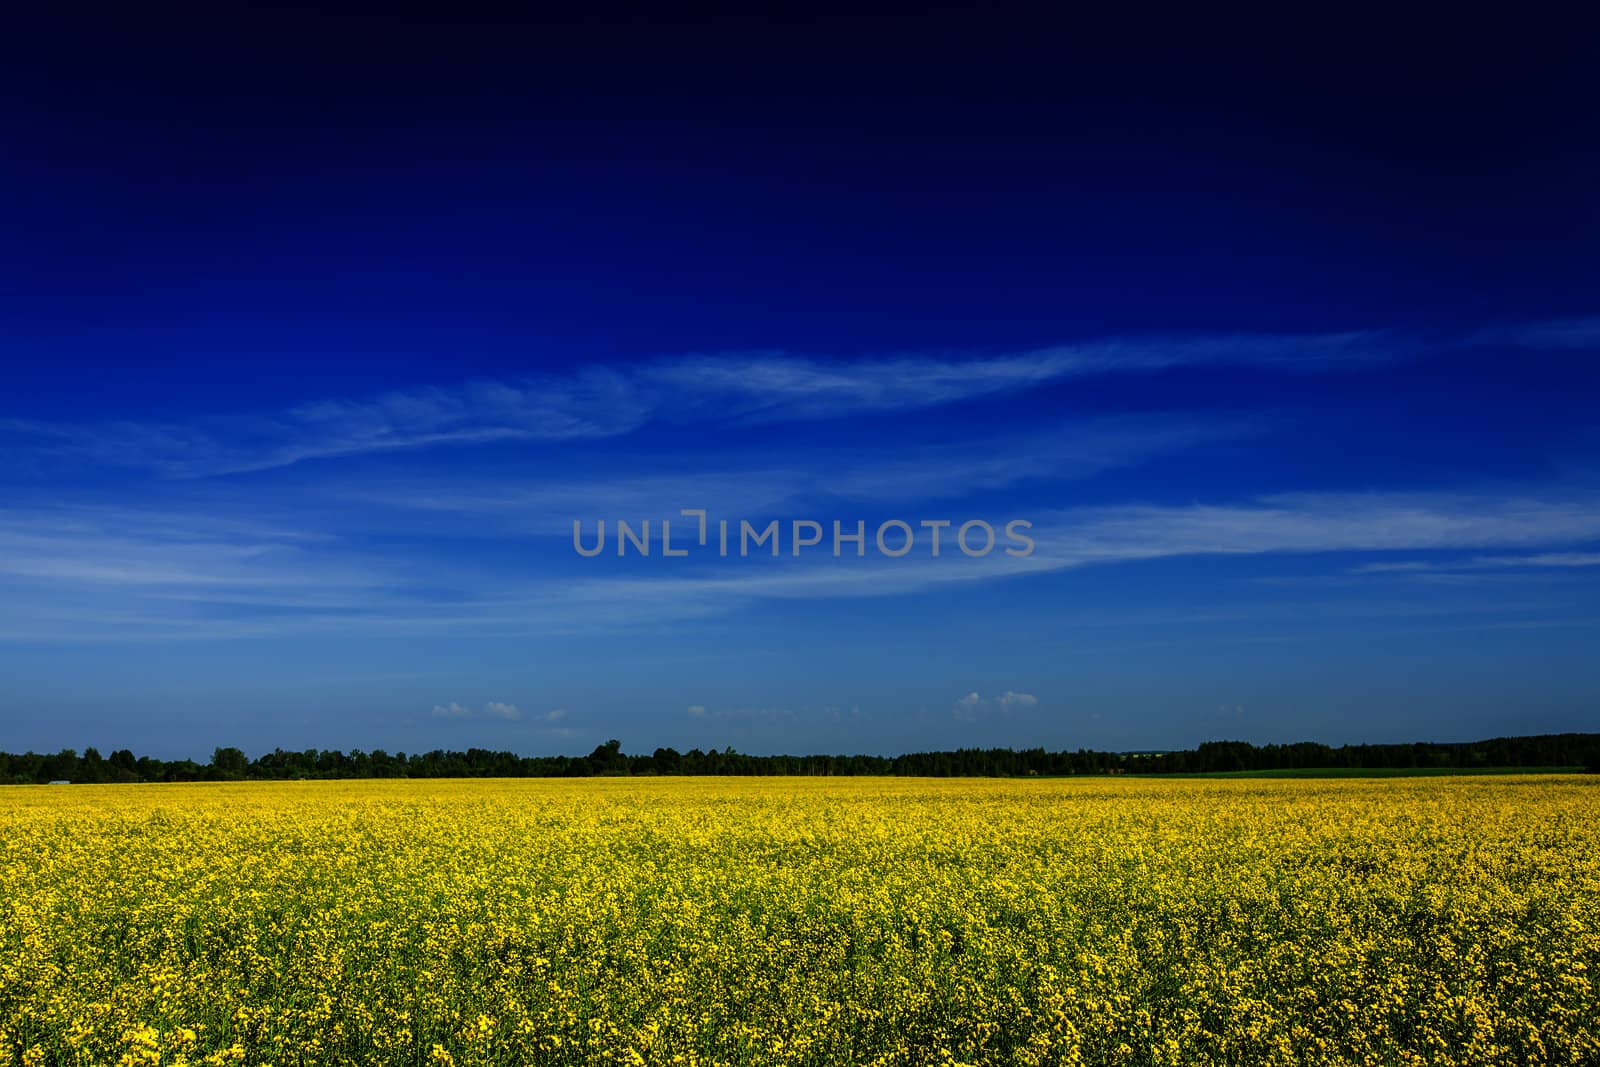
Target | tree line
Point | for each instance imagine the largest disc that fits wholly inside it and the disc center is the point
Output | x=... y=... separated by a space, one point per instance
x=231 y=764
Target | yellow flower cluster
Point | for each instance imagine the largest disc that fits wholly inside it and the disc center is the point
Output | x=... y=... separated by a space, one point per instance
x=803 y=921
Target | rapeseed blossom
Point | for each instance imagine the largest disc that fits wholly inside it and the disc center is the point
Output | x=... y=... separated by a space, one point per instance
x=802 y=921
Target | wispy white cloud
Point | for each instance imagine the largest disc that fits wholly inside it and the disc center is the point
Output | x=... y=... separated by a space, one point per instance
x=167 y=551
x=1320 y=522
x=610 y=401
x=75 y=576
x=779 y=387
x=1277 y=525
x=1542 y=559
x=1482 y=563
x=791 y=482
x=592 y=403
x=1551 y=334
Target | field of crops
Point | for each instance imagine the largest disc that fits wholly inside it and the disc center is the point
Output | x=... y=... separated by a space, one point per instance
x=803 y=921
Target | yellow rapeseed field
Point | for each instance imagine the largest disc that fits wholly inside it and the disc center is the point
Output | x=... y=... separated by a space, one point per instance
x=803 y=921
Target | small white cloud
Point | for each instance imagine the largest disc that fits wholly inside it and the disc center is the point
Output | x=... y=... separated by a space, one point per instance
x=757 y=713
x=969 y=706
x=697 y=710
x=494 y=709
x=974 y=703
x=555 y=715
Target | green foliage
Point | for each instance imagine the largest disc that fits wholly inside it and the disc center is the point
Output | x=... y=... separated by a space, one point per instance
x=1545 y=752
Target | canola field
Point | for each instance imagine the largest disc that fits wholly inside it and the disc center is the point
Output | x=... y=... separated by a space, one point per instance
x=803 y=921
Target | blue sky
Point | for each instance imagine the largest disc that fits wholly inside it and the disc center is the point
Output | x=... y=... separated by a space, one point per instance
x=318 y=333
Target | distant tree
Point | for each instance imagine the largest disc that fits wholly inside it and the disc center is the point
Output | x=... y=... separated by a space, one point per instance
x=62 y=766
x=229 y=762
x=1570 y=750
x=608 y=758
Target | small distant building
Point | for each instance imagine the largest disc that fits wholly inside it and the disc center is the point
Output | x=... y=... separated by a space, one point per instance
x=59 y=781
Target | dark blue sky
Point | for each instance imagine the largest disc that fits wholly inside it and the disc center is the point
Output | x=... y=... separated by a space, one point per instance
x=319 y=330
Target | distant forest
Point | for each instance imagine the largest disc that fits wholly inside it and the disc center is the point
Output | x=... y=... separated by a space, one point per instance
x=231 y=764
